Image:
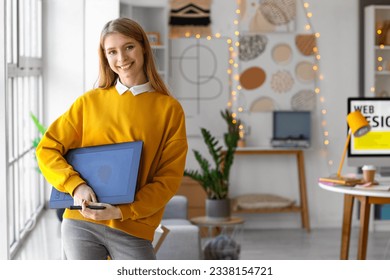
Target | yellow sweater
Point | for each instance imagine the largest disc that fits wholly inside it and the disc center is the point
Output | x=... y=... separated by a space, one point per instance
x=102 y=116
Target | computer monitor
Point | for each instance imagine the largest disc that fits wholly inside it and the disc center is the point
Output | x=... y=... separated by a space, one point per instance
x=291 y=125
x=374 y=147
x=291 y=129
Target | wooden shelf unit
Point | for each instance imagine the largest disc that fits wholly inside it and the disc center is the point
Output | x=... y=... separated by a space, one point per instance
x=303 y=207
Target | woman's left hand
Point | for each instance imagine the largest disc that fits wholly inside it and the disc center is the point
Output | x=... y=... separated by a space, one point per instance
x=111 y=212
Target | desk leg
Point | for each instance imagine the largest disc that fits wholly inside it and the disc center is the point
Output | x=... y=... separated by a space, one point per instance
x=302 y=191
x=346 y=227
x=364 y=221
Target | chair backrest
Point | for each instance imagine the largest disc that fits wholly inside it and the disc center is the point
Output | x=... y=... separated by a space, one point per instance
x=177 y=208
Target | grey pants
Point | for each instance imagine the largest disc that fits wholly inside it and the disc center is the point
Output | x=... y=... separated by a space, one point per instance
x=88 y=241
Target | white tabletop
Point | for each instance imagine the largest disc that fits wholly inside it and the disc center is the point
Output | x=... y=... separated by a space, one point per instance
x=371 y=191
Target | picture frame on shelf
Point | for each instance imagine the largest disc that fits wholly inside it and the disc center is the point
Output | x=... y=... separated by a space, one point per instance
x=154 y=38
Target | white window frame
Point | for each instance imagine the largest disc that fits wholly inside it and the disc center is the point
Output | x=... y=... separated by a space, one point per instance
x=21 y=89
x=4 y=244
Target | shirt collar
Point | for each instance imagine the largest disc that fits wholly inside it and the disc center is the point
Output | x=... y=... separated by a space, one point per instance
x=135 y=90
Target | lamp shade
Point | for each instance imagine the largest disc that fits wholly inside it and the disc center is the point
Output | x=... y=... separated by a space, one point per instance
x=358 y=124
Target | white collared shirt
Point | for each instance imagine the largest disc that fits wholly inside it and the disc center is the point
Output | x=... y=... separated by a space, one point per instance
x=135 y=90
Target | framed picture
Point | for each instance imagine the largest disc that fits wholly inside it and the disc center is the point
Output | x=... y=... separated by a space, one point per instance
x=154 y=38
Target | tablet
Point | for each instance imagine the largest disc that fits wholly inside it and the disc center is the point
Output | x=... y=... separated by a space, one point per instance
x=110 y=170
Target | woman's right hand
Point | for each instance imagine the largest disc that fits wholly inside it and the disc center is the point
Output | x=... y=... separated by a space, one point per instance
x=83 y=193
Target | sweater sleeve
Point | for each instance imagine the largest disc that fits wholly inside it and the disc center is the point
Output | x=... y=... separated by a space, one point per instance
x=153 y=196
x=61 y=136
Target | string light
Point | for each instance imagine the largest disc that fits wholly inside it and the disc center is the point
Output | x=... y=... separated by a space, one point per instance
x=319 y=77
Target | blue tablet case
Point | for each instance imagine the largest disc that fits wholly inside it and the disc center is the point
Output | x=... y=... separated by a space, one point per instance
x=110 y=170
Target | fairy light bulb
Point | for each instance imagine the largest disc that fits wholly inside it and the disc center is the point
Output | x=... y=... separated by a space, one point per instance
x=326 y=142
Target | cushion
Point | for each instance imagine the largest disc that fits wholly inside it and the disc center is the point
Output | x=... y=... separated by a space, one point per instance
x=255 y=201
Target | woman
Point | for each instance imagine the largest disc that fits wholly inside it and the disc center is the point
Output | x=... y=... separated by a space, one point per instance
x=131 y=103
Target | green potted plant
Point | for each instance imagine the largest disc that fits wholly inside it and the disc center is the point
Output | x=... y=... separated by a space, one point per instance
x=214 y=178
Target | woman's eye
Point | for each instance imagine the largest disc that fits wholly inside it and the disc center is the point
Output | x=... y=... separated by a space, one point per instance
x=111 y=52
x=130 y=47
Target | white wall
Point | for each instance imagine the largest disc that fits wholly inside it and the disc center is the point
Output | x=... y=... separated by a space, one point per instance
x=337 y=21
x=63 y=53
x=71 y=39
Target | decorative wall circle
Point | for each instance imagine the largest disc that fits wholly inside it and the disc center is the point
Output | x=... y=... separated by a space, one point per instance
x=259 y=23
x=282 y=81
x=263 y=104
x=282 y=54
x=278 y=12
x=251 y=46
x=252 y=78
x=306 y=43
x=304 y=100
x=304 y=72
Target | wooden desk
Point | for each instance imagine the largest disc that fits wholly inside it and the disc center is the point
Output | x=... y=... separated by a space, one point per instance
x=366 y=198
x=303 y=208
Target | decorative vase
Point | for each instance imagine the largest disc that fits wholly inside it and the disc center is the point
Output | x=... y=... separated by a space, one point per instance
x=218 y=209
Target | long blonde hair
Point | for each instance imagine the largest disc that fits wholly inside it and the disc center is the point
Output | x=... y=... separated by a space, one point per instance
x=132 y=29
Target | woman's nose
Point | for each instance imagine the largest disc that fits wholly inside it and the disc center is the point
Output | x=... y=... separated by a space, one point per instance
x=122 y=56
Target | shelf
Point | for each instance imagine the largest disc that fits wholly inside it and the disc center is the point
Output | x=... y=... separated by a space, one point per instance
x=157 y=47
x=152 y=15
x=292 y=208
x=385 y=48
x=384 y=73
x=373 y=15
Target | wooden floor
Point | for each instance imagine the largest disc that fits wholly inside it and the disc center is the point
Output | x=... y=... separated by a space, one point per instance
x=286 y=244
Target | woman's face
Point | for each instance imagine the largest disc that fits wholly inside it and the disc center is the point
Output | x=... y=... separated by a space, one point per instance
x=126 y=58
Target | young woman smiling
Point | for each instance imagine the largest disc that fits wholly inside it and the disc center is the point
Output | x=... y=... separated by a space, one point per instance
x=130 y=103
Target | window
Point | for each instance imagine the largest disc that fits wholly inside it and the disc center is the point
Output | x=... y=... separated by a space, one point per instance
x=23 y=96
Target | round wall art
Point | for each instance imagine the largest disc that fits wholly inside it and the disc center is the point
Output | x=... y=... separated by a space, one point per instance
x=252 y=78
x=251 y=46
x=282 y=54
x=259 y=23
x=306 y=43
x=278 y=12
x=304 y=100
x=263 y=104
x=304 y=72
x=282 y=81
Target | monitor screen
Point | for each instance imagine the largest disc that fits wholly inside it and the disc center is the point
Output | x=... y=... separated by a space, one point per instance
x=291 y=125
x=374 y=147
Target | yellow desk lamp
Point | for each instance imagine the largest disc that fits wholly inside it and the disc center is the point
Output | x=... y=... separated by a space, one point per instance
x=359 y=126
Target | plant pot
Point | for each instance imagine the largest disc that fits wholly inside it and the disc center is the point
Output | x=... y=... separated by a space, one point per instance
x=218 y=209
